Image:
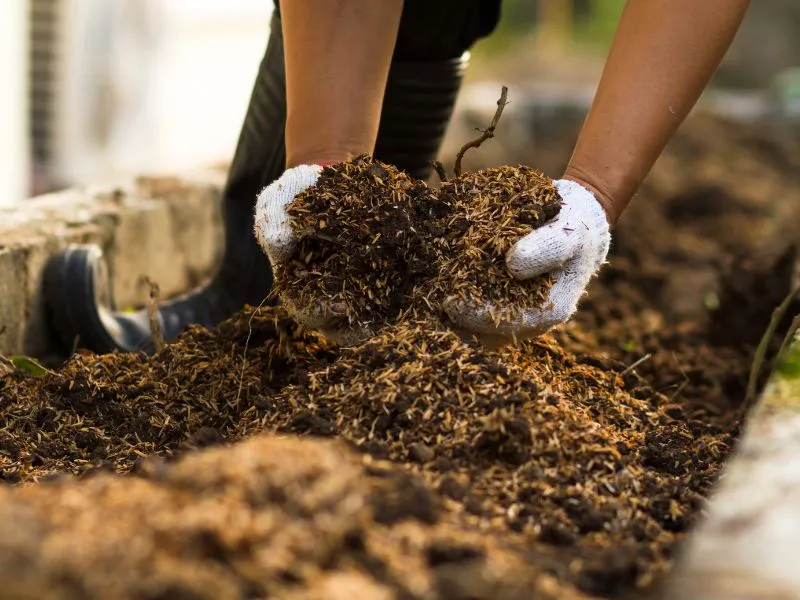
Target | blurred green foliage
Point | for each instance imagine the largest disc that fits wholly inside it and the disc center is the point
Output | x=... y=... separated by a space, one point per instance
x=594 y=24
x=517 y=20
x=596 y=27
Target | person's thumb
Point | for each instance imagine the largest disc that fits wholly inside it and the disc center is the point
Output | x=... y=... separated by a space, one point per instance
x=542 y=250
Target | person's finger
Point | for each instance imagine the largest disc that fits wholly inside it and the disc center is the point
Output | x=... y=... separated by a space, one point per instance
x=568 y=286
x=544 y=250
x=469 y=317
x=274 y=232
x=562 y=301
x=479 y=322
x=348 y=336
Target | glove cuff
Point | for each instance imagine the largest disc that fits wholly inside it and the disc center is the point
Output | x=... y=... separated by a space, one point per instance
x=574 y=194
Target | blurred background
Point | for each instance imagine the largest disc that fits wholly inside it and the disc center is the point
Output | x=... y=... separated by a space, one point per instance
x=97 y=89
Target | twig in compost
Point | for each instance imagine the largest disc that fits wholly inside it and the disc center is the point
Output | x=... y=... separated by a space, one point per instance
x=678 y=391
x=683 y=383
x=247 y=345
x=763 y=345
x=440 y=170
x=152 y=314
x=487 y=133
x=630 y=368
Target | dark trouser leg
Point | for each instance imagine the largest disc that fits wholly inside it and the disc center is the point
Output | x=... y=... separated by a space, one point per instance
x=427 y=68
x=423 y=83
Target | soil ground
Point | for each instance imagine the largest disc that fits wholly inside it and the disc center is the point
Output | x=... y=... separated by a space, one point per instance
x=259 y=461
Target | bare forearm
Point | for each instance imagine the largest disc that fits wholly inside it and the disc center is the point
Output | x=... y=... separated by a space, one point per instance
x=664 y=54
x=338 y=54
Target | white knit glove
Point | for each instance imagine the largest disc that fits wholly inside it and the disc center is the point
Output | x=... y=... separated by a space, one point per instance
x=571 y=247
x=278 y=240
x=272 y=223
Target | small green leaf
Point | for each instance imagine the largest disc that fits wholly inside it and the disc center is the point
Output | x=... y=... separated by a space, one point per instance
x=711 y=301
x=629 y=346
x=29 y=365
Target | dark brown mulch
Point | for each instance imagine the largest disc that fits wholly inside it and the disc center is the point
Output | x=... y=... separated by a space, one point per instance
x=453 y=472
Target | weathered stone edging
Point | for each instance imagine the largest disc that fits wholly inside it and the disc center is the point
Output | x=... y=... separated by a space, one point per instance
x=746 y=547
x=167 y=228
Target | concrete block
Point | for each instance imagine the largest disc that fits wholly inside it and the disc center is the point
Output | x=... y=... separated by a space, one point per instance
x=12 y=299
x=193 y=201
x=143 y=245
x=31 y=247
x=167 y=228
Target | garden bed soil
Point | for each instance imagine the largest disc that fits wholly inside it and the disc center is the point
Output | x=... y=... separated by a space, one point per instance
x=259 y=460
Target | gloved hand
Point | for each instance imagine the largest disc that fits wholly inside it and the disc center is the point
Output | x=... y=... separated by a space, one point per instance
x=274 y=233
x=273 y=227
x=571 y=247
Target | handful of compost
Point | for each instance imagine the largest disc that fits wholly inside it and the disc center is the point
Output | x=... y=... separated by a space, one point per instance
x=347 y=243
x=530 y=249
x=500 y=253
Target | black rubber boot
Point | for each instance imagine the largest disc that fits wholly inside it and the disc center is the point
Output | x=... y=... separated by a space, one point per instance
x=418 y=103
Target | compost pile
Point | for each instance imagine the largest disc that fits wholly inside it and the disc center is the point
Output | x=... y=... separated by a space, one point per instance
x=259 y=460
x=375 y=243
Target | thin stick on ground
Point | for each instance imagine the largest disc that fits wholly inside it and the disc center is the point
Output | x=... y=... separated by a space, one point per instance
x=683 y=383
x=152 y=314
x=247 y=345
x=763 y=345
x=487 y=133
x=631 y=367
x=440 y=170
x=4 y=360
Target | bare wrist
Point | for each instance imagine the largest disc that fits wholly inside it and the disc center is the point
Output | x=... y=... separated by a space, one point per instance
x=319 y=157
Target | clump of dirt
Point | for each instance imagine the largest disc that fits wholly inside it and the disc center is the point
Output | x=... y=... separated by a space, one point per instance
x=373 y=241
x=363 y=231
x=268 y=518
x=493 y=208
x=531 y=441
